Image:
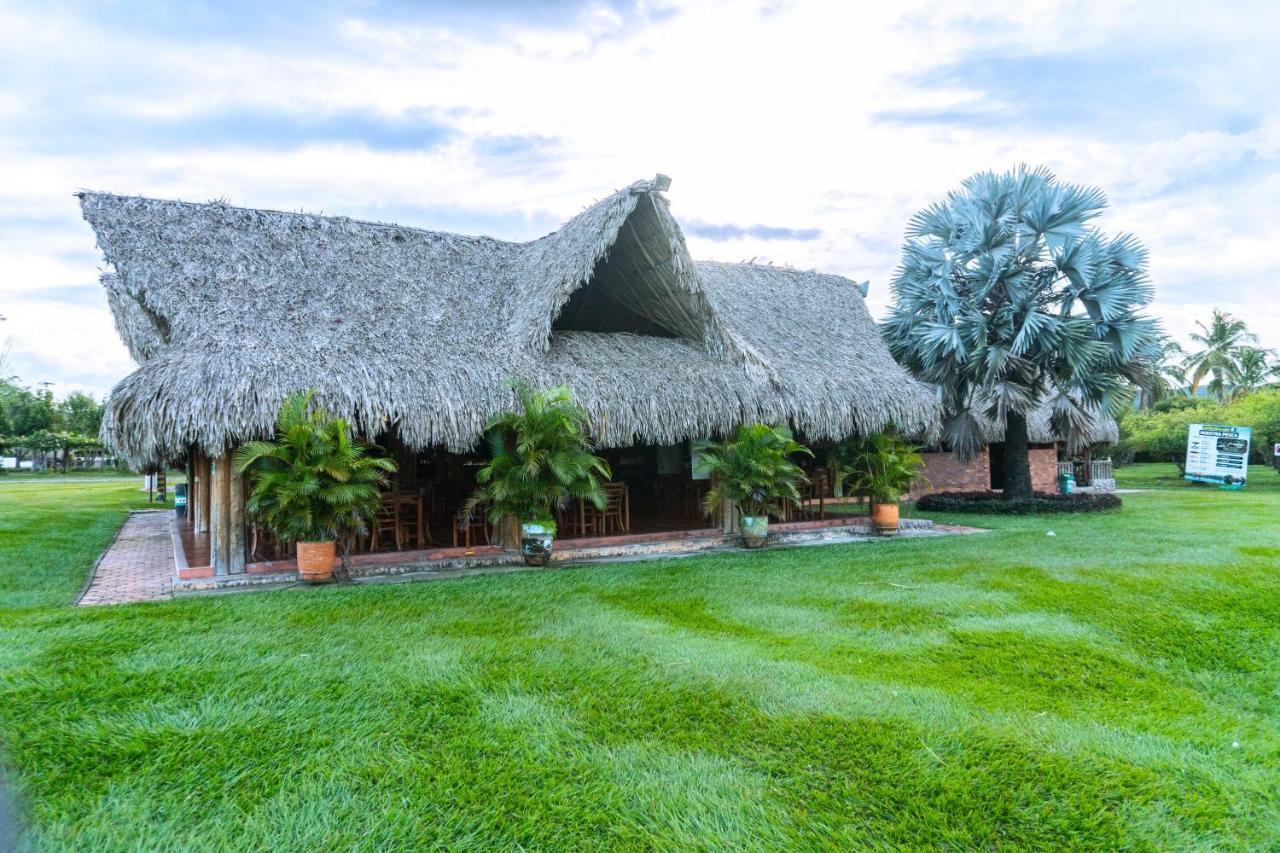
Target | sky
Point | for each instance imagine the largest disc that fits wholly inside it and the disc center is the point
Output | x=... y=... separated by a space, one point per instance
x=798 y=133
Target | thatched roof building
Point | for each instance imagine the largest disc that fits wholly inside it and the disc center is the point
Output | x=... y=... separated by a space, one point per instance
x=227 y=310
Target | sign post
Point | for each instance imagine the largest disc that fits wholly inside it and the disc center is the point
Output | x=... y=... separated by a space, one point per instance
x=1218 y=454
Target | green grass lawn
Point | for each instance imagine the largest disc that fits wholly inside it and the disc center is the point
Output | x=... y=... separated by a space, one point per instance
x=1112 y=686
x=1165 y=475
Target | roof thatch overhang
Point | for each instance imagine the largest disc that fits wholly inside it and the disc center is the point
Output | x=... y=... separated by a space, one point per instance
x=228 y=310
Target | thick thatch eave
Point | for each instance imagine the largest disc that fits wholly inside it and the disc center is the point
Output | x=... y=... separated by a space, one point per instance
x=228 y=310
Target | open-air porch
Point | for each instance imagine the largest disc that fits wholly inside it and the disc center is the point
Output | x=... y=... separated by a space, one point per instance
x=653 y=506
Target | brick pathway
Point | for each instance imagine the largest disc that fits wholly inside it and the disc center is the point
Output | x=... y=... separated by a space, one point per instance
x=139 y=564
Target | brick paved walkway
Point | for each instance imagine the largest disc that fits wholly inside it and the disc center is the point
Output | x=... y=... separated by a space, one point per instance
x=139 y=564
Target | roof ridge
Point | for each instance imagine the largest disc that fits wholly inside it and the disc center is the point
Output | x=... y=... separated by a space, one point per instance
x=80 y=194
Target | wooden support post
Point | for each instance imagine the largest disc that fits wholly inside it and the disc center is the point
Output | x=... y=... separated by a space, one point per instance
x=729 y=518
x=237 y=534
x=206 y=503
x=220 y=515
x=203 y=493
x=193 y=485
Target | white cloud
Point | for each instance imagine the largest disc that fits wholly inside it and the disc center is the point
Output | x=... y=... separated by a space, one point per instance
x=761 y=115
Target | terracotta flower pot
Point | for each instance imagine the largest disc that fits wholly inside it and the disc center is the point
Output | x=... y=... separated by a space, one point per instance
x=315 y=561
x=885 y=518
x=755 y=530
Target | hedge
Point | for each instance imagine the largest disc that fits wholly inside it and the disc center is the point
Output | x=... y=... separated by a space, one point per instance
x=992 y=503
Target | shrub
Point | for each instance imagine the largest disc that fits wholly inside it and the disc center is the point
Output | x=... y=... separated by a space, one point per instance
x=1159 y=434
x=883 y=467
x=1260 y=410
x=753 y=469
x=314 y=482
x=992 y=503
x=541 y=458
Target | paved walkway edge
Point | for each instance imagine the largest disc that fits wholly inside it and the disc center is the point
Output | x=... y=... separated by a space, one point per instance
x=93 y=573
x=137 y=566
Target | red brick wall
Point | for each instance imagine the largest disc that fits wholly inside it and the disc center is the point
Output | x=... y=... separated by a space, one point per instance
x=1044 y=468
x=946 y=474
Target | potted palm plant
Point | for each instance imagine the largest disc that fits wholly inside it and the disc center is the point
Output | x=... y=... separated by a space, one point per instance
x=753 y=470
x=883 y=467
x=313 y=484
x=541 y=458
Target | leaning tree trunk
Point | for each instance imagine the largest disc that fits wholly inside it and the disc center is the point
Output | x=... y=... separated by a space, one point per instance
x=1017 y=458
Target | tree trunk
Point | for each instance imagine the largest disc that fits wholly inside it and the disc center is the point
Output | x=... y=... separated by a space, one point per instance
x=1017 y=458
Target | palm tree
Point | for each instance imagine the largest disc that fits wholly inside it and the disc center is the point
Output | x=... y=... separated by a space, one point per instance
x=884 y=467
x=1168 y=377
x=314 y=482
x=752 y=469
x=1252 y=369
x=1008 y=298
x=541 y=459
x=1221 y=342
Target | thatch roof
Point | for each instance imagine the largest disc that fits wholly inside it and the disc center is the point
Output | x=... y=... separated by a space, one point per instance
x=227 y=310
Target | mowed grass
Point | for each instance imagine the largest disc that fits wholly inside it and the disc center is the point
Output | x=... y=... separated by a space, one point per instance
x=1165 y=475
x=1112 y=686
x=52 y=529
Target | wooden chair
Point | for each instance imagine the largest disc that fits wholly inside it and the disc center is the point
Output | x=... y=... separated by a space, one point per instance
x=413 y=520
x=470 y=526
x=567 y=519
x=816 y=491
x=614 y=517
x=386 y=523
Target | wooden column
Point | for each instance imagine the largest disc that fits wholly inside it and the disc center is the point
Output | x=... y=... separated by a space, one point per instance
x=202 y=494
x=729 y=518
x=237 y=540
x=220 y=515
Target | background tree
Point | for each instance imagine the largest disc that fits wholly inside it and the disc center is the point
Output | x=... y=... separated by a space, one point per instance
x=1220 y=344
x=1253 y=369
x=32 y=422
x=61 y=443
x=79 y=413
x=1167 y=378
x=1006 y=298
x=27 y=412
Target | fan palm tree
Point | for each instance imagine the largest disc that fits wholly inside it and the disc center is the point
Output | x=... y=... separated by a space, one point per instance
x=1220 y=342
x=1007 y=299
x=541 y=458
x=1253 y=368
